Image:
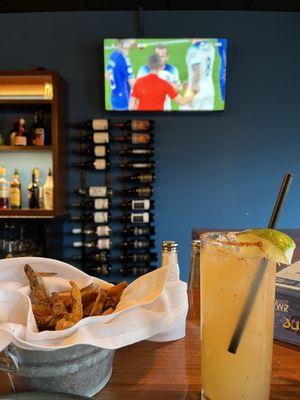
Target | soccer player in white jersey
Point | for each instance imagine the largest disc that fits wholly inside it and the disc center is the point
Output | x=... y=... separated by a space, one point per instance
x=168 y=72
x=200 y=59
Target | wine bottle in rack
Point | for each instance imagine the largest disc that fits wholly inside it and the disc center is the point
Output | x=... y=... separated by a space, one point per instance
x=139 y=125
x=138 y=205
x=101 y=244
x=138 y=165
x=96 y=204
x=136 y=218
x=127 y=270
x=95 y=191
x=98 y=164
x=102 y=230
x=99 y=256
x=139 y=178
x=138 y=231
x=137 y=244
x=138 y=152
x=103 y=269
x=142 y=191
x=93 y=124
x=135 y=138
x=98 y=217
x=95 y=137
x=137 y=257
x=96 y=151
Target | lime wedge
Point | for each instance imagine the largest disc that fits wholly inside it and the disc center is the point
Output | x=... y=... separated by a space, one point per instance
x=276 y=245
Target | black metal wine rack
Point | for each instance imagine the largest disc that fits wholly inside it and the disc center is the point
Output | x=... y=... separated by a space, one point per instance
x=129 y=246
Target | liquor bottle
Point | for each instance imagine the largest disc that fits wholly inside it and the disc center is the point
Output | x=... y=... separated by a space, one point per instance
x=98 y=217
x=21 y=137
x=15 y=198
x=38 y=129
x=130 y=270
x=138 y=165
x=100 y=256
x=148 y=151
x=98 y=164
x=139 y=231
x=140 y=178
x=96 y=204
x=48 y=191
x=136 y=218
x=140 y=205
x=135 y=138
x=95 y=191
x=137 y=257
x=135 y=125
x=97 y=151
x=13 y=133
x=34 y=191
x=143 y=191
x=169 y=254
x=96 y=138
x=93 y=124
x=194 y=271
x=4 y=185
x=101 y=244
x=137 y=244
x=102 y=230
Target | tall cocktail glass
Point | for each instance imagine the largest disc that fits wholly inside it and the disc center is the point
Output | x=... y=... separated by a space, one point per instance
x=228 y=268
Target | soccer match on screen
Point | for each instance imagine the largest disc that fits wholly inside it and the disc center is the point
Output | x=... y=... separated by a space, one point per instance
x=165 y=74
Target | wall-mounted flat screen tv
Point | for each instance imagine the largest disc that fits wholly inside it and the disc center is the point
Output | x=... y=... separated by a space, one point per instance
x=165 y=74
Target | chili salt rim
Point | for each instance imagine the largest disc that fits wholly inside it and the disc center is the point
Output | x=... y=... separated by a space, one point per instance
x=212 y=238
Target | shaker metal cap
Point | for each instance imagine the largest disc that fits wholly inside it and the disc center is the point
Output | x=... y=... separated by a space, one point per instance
x=169 y=246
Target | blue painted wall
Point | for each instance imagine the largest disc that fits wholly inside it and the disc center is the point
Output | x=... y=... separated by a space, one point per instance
x=214 y=170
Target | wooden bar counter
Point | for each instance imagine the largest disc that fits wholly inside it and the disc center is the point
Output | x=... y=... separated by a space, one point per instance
x=171 y=371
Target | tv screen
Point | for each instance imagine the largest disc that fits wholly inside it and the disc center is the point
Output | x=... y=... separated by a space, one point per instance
x=165 y=74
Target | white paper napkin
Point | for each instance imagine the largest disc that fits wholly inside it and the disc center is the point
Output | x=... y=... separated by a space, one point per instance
x=153 y=307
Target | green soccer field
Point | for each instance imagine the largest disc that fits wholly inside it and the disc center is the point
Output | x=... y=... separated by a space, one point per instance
x=177 y=52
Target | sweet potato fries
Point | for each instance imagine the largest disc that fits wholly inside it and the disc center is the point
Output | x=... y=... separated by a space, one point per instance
x=63 y=309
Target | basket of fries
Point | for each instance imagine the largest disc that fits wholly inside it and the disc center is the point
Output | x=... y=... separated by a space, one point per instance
x=59 y=327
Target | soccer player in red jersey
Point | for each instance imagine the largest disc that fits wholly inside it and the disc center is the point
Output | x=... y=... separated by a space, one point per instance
x=149 y=92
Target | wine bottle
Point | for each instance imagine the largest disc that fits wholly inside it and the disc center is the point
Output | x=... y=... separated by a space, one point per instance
x=138 y=231
x=100 y=256
x=103 y=269
x=148 y=151
x=101 y=244
x=136 y=244
x=4 y=188
x=48 y=191
x=137 y=257
x=140 y=178
x=39 y=129
x=34 y=190
x=140 y=205
x=97 y=151
x=98 y=217
x=135 y=138
x=93 y=124
x=95 y=191
x=136 y=218
x=15 y=198
x=138 y=165
x=96 y=204
x=96 y=138
x=102 y=230
x=142 y=191
x=126 y=270
x=98 y=164
x=135 y=125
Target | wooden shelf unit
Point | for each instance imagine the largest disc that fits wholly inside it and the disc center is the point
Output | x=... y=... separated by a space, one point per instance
x=58 y=110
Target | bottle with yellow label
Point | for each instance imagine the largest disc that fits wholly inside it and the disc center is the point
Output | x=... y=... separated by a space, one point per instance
x=15 y=197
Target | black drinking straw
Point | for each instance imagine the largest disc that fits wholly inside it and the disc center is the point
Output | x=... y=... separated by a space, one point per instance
x=239 y=329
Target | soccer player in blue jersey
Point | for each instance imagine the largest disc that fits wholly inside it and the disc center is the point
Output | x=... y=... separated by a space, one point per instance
x=222 y=47
x=120 y=74
x=167 y=72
